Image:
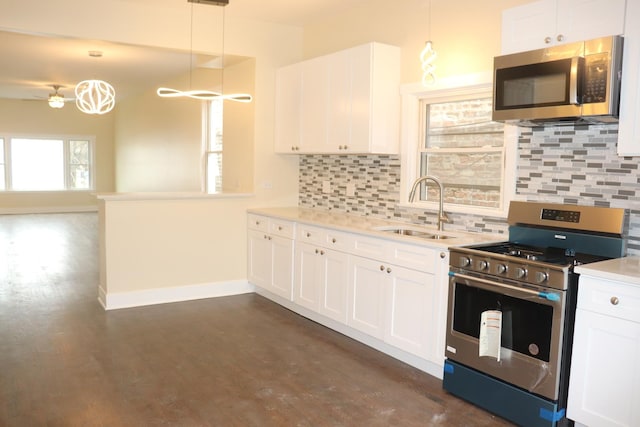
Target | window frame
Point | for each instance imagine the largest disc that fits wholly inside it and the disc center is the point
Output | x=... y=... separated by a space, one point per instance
x=66 y=141
x=456 y=88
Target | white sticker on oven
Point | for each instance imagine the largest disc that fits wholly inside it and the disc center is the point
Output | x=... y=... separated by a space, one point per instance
x=490 y=332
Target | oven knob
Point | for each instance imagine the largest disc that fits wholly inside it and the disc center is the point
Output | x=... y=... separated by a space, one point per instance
x=521 y=272
x=541 y=276
x=482 y=265
x=465 y=261
x=501 y=268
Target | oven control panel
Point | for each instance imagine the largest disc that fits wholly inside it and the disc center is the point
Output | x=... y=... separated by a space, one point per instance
x=560 y=215
x=496 y=267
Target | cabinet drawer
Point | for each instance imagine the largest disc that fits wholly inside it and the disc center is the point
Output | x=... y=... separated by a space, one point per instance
x=369 y=247
x=339 y=241
x=609 y=297
x=413 y=256
x=311 y=234
x=257 y=222
x=282 y=228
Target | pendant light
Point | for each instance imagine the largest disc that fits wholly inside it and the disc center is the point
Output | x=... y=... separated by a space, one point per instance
x=95 y=96
x=205 y=95
x=427 y=57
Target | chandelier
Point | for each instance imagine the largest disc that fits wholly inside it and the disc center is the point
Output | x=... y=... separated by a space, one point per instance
x=95 y=97
x=205 y=95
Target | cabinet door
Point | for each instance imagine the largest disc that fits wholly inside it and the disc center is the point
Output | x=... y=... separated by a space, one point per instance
x=366 y=296
x=313 y=109
x=335 y=273
x=589 y=19
x=361 y=101
x=287 y=110
x=604 y=387
x=526 y=27
x=282 y=267
x=307 y=279
x=411 y=310
x=339 y=98
x=259 y=259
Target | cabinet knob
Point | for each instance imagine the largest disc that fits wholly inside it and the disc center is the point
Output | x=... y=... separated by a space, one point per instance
x=308 y=234
x=388 y=269
x=257 y=222
x=560 y=37
x=443 y=255
x=547 y=40
x=321 y=252
x=265 y=236
x=279 y=228
x=316 y=251
x=614 y=300
x=382 y=268
x=333 y=240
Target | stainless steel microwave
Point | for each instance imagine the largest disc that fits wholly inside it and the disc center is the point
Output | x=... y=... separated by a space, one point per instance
x=571 y=83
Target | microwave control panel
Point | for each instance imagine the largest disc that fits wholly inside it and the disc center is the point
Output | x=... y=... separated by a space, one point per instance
x=595 y=79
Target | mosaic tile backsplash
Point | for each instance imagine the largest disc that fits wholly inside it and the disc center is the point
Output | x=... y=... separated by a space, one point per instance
x=568 y=164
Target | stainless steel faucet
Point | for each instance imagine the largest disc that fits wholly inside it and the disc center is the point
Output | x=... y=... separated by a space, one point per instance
x=442 y=217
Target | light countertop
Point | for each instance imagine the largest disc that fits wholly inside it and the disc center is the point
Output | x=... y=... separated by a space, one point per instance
x=371 y=226
x=621 y=269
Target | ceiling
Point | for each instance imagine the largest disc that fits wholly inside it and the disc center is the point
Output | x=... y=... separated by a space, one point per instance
x=31 y=64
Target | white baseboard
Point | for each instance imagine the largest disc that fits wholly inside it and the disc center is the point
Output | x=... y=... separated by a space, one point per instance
x=47 y=209
x=113 y=301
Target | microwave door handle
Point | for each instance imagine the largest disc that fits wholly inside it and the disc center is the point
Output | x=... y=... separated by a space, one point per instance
x=574 y=80
x=550 y=296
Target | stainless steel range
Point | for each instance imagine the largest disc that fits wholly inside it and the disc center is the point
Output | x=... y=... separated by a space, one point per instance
x=512 y=307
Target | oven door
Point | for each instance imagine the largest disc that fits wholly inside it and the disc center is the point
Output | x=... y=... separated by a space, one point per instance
x=531 y=331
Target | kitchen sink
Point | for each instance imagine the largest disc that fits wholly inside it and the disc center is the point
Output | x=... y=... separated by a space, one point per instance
x=409 y=231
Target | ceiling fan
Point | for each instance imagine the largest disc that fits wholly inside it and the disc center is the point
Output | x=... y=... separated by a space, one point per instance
x=56 y=99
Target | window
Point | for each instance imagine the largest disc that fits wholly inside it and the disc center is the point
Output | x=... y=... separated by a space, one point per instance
x=46 y=164
x=213 y=147
x=456 y=141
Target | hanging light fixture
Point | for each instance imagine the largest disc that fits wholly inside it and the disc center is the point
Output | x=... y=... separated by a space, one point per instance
x=95 y=97
x=427 y=57
x=205 y=95
x=56 y=100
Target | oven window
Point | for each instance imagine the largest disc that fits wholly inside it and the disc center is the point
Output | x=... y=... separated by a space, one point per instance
x=526 y=325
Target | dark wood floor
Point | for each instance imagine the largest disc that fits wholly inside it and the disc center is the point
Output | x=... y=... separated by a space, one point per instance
x=235 y=361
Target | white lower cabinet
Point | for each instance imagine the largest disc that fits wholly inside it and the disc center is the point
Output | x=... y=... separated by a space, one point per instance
x=390 y=291
x=604 y=388
x=270 y=255
x=410 y=310
x=367 y=281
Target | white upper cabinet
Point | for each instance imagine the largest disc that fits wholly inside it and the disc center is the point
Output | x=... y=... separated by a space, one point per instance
x=629 y=125
x=551 y=22
x=346 y=102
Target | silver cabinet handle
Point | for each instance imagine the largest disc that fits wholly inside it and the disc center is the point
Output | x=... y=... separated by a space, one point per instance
x=614 y=300
x=560 y=37
x=547 y=40
x=388 y=269
x=382 y=268
x=443 y=255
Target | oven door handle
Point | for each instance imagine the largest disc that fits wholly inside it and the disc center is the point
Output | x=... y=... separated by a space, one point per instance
x=550 y=296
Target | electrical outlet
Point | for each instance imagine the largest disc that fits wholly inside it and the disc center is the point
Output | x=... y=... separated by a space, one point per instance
x=351 y=189
x=326 y=187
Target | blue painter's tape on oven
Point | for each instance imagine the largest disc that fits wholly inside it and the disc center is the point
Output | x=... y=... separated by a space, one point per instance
x=548 y=415
x=504 y=400
x=549 y=296
x=448 y=368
